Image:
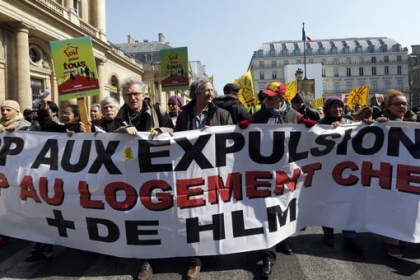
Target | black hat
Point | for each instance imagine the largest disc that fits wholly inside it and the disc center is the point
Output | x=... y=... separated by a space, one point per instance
x=229 y=87
x=27 y=111
x=297 y=99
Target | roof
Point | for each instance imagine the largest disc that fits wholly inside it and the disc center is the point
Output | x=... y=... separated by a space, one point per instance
x=352 y=45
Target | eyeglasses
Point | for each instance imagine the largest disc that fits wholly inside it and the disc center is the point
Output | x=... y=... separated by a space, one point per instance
x=130 y=94
x=404 y=104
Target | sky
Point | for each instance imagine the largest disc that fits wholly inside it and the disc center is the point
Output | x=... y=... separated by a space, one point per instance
x=223 y=35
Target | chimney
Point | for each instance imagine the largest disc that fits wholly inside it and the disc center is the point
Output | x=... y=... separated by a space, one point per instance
x=161 y=37
x=131 y=40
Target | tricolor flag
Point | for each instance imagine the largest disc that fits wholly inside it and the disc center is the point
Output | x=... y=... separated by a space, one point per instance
x=304 y=37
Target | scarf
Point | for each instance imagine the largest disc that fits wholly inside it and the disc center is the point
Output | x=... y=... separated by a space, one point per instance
x=4 y=124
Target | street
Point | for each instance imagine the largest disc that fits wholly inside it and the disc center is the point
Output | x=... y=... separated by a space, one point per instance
x=311 y=260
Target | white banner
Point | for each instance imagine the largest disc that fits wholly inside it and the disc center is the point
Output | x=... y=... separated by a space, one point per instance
x=221 y=191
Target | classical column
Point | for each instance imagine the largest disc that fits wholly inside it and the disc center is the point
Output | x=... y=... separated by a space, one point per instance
x=22 y=75
x=97 y=8
x=100 y=64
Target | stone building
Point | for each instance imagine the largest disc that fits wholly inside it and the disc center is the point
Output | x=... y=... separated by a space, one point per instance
x=27 y=27
x=343 y=64
x=414 y=75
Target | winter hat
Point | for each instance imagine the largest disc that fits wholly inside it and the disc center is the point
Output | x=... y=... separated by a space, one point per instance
x=330 y=101
x=297 y=99
x=12 y=104
x=175 y=99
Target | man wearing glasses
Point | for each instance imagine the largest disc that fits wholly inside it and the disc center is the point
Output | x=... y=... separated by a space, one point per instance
x=136 y=114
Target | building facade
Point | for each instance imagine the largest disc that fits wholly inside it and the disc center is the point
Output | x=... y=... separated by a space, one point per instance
x=345 y=64
x=27 y=27
x=414 y=75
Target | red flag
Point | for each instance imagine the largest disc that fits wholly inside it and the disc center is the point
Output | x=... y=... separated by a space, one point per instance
x=308 y=39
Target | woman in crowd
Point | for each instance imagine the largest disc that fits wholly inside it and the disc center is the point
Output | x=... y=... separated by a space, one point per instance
x=396 y=109
x=71 y=119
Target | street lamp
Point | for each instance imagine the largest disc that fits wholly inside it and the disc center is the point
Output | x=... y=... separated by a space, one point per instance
x=299 y=74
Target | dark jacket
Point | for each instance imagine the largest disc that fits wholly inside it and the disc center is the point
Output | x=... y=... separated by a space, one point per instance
x=47 y=124
x=232 y=104
x=290 y=115
x=103 y=124
x=149 y=117
x=216 y=116
x=310 y=113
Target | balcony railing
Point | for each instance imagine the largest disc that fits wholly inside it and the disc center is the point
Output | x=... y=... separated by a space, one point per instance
x=53 y=6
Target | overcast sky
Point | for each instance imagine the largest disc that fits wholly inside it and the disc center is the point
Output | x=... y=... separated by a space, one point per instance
x=223 y=35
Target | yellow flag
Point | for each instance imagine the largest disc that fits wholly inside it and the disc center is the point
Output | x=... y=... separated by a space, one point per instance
x=212 y=79
x=359 y=95
x=291 y=90
x=318 y=102
x=246 y=94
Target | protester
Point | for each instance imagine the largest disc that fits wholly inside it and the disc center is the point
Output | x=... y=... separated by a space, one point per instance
x=11 y=120
x=71 y=119
x=109 y=109
x=72 y=124
x=396 y=109
x=200 y=113
x=276 y=110
x=364 y=114
x=308 y=113
x=53 y=111
x=334 y=116
x=231 y=103
x=95 y=115
x=138 y=115
x=174 y=106
x=31 y=116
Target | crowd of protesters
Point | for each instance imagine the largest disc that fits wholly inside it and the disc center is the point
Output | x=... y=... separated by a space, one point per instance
x=205 y=110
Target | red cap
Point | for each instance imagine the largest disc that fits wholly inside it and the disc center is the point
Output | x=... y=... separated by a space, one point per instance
x=274 y=89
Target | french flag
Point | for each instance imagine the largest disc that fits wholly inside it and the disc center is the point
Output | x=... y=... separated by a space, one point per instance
x=304 y=37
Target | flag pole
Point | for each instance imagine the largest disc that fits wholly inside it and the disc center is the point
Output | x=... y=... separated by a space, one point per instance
x=304 y=49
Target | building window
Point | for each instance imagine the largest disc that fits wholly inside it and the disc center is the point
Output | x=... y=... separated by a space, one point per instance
x=311 y=61
x=349 y=86
x=298 y=61
x=399 y=58
x=323 y=61
x=348 y=60
x=373 y=71
x=361 y=59
x=37 y=86
x=387 y=85
x=336 y=87
x=386 y=70
x=274 y=74
x=335 y=72
x=272 y=53
x=336 y=60
x=374 y=85
x=324 y=73
x=348 y=71
x=334 y=50
x=400 y=85
x=261 y=75
x=261 y=63
x=399 y=70
x=148 y=57
x=35 y=54
x=386 y=58
x=273 y=63
x=373 y=59
x=361 y=71
x=286 y=62
x=321 y=51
